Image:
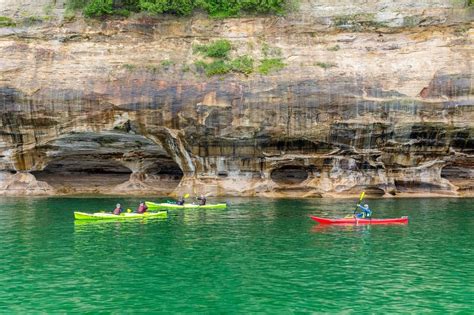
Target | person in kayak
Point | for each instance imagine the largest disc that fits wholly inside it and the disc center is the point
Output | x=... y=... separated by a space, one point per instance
x=202 y=200
x=366 y=212
x=118 y=209
x=180 y=201
x=142 y=208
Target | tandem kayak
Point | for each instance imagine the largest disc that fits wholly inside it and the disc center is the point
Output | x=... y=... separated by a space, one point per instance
x=158 y=206
x=122 y=216
x=402 y=220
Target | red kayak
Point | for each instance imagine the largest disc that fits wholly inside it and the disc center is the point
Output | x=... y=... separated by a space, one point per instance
x=402 y=220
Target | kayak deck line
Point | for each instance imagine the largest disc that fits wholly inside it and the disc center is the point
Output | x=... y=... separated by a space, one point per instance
x=123 y=216
x=402 y=220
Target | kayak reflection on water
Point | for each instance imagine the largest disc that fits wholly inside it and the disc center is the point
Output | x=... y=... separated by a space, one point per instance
x=335 y=228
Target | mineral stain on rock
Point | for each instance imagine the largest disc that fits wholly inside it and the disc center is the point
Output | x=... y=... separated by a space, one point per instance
x=100 y=113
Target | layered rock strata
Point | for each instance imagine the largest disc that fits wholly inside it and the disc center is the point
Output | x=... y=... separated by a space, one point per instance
x=378 y=100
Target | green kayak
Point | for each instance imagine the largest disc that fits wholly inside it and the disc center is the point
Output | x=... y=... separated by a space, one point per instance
x=159 y=206
x=122 y=216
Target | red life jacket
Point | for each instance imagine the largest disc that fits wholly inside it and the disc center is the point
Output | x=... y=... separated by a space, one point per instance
x=142 y=208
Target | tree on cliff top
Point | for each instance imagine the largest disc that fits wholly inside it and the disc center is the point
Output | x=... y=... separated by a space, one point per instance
x=215 y=8
x=99 y=8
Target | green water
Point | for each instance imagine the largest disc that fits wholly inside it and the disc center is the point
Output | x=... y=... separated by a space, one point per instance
x=260 y=255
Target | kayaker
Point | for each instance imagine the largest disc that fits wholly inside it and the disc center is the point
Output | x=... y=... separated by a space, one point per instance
x=366 y=212
x=118 y=209
x=180 y=201
x=142 y=208
x=202 y=200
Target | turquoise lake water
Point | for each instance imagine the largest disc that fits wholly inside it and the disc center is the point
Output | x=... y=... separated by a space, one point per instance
x=259 y=255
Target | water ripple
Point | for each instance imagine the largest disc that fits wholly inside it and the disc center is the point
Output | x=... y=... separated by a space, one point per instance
x=258 y=256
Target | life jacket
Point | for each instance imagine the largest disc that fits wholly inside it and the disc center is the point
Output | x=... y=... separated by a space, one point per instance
x=117 y=211
x=142 y=208
x=366 y=212
x=202 y=201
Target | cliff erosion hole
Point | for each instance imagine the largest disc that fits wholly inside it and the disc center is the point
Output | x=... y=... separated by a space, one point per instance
x=460 y=174
x=289 y=175
x=416 y=186
x=83 y=173
x=101 y=161
x=165 y=174
x=455 y=172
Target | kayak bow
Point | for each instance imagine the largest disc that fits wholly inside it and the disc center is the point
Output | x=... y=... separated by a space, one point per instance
x=159 y=206
x=402 y=220
x=122 y=216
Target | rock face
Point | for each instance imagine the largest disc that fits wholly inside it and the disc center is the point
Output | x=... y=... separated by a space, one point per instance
x=380 y=100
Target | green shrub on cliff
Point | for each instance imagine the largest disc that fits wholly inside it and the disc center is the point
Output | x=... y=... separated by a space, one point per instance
x=6 y=21
x=357 y=22
x=325 y=65
x=129 y=67
x=217 y=67
x=270 y=51
x=272 y=59
x=268 y=65
x=222 y=64
x=218 y=49
x=167 y=63
x=31 y=20
x=242 y=64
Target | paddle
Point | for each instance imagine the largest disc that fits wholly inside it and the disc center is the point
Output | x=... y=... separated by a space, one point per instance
x=360 y=199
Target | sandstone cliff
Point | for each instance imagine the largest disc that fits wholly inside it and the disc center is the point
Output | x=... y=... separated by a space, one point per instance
x=373 y=96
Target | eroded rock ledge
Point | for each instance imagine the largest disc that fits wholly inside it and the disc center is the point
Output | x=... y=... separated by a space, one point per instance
x=119 y=108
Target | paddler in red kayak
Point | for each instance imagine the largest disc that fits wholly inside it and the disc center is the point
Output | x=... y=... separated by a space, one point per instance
x=142 y=208
x=366 y=212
